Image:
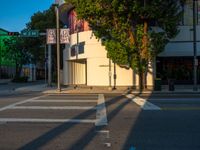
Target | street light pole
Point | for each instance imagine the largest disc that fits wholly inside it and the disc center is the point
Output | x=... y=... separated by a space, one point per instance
x=58 y=48
x=195 y=61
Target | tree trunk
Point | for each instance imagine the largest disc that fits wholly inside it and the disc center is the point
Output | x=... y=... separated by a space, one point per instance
x=142 y=80
x=144 y=56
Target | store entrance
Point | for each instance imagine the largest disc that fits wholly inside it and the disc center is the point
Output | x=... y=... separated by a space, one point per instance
x=178 y=68
x=77 y=72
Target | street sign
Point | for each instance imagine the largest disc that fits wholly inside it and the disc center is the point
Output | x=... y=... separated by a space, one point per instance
x=51 y=36
x=64 y=36
x=29 y=33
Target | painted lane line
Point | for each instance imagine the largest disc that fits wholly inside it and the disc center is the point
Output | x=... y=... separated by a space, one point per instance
x=101 y=114
x=67 y=101
x=143 y=103
x=174 y=99
x=21 y=102
x=106 y=133
x=54 y=107
x=181 y=108
x=105 y=137
x=29 y=120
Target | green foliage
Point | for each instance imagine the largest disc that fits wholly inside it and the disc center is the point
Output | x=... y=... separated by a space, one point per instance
x=16 y=52
x=121 y=26
x=40 y=21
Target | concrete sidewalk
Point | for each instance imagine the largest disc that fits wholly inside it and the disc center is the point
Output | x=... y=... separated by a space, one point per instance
x=41 y=87
x=179 y=89
x=4 y=81
x=8 y=87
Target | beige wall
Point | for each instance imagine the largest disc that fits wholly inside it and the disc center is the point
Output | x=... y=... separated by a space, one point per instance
x=96 y=66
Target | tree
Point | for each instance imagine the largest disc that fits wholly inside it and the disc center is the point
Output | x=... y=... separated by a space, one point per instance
x=16 y=52
x=41 y=21
x=128 y=28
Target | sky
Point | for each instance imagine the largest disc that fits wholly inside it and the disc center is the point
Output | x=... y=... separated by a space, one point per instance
x=15 y=14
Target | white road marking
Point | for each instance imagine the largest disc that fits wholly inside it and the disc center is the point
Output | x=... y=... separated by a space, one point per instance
x=54 y=107
x=105 y=137
x=29 y=120
x=67 y=101
x=105 y=132
x=19 y=103
x=100 y=121
x=101 y=114
x=143 y=103
x=174 y=99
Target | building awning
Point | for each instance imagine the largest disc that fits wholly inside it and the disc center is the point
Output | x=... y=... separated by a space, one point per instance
x=179 y=49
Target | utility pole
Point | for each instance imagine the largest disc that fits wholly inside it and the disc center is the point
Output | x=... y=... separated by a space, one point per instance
x=49 y=65
x=195 y=60
x=45 y=64
x=58 y=47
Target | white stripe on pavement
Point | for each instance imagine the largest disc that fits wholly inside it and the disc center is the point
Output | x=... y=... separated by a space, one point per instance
x=54 y=107
x=21 y=102
x=67 y=101
x=143 y=103
x=29 y=120
x=101 y=114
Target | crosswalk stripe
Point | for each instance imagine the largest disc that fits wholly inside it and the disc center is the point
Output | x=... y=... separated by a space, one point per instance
x=101 y=114
x=143 y=103
x=54 y=107
x=30 y=120
x=68 y=101
x=19 y=103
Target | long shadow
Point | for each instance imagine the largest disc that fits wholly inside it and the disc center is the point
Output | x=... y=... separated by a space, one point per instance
x=50 y=135
x=87 y=138
x=164 y=130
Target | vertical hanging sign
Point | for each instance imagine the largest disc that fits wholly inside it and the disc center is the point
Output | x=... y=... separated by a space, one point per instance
x=51 y=36
x=64 y=36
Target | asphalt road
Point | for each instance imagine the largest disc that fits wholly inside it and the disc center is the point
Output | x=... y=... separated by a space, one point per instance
x=99 y=121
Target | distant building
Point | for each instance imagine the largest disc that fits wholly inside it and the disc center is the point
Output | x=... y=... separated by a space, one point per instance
x=7 y=67
x=176 y=61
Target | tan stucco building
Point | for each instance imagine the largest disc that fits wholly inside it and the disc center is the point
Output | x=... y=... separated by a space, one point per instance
x=90 y=65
